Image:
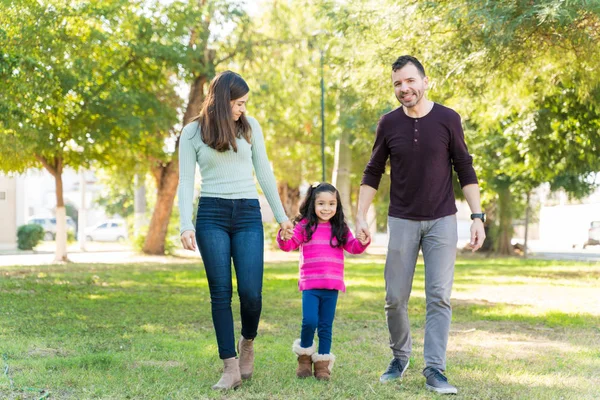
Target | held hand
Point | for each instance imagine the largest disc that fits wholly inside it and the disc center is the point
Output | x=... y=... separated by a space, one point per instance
x=362 y=238
x=477 y=235
x=285 y=235
x=188 y=240
x=287 y=230
x=362 y=229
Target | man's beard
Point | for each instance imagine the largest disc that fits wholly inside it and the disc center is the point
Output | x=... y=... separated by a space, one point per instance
x=411 y=103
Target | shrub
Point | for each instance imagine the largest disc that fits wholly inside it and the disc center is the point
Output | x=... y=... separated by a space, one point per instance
x=28 y=236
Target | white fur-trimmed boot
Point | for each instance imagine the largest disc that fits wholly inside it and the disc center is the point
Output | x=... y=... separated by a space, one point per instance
x=323 y=365
x=304 y=359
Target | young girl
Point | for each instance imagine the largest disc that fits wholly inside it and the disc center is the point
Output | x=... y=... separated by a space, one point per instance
x=322 y=235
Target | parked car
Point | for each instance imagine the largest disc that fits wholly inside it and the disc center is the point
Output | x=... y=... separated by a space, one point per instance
x=49 y=226
x=593 y=234
x=107 y=231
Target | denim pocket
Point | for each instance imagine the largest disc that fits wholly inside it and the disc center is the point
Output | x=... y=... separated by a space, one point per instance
x=252 y=203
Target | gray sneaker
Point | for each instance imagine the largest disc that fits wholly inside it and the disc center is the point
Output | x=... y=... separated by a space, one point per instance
x=395 y=370
x=437 y=382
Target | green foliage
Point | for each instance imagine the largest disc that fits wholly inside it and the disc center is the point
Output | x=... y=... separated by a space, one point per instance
x=97 y=83
x=71 y=236
x=117 y=196
x=28 y=236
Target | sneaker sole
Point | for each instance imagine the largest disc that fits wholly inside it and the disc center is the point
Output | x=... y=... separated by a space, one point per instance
x=401 y=374
x=441 y=391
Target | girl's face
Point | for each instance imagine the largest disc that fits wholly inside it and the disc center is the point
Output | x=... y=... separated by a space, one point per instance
x=325 y=206
x=238 y=107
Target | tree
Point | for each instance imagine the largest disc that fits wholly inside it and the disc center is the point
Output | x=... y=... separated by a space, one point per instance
x=78 y=83
x=203 y=52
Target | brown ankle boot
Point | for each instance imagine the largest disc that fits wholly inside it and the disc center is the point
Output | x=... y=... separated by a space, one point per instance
x=323 y=365
x=246 y=352
x=231 y=378
x=304 y=359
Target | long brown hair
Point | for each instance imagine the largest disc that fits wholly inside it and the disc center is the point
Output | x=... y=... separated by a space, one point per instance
x=218 y=129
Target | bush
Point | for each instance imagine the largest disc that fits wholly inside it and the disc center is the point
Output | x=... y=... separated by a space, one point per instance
x=28 y=236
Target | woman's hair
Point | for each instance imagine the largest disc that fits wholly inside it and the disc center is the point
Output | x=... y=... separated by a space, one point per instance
x=339 y=228
x=218 y=129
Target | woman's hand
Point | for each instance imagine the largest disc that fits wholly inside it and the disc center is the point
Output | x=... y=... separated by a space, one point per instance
x=188 y=240
x=287 y=230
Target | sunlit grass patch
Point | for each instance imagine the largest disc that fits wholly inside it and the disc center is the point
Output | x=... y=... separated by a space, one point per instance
x=521 y=330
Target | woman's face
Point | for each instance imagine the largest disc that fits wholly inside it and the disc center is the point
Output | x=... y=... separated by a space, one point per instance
x=238 y=107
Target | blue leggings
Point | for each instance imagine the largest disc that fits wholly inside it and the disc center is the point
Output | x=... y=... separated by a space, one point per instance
x=318 y=312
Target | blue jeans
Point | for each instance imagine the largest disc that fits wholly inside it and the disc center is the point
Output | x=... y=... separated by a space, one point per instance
x=232 y=229
x=318 y=312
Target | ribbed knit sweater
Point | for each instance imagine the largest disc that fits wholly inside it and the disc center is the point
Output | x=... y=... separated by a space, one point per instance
x=225 y=174
x=321 y=266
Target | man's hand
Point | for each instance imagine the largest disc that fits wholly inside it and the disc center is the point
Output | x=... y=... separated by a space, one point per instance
x=287 y=230
x=362 y=238
x=477 y=234
x=188 y=240
x=362 y=230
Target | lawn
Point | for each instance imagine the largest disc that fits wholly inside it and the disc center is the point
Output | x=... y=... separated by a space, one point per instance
x=522 y=329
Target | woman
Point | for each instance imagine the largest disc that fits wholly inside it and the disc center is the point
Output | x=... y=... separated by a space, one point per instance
x=228 y=146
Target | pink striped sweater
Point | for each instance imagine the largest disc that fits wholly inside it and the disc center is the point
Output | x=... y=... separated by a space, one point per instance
x=321 y=266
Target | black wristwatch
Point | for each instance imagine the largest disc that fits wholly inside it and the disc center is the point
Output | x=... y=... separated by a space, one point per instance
x=481 y=216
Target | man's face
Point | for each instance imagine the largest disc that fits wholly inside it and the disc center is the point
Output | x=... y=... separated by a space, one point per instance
x=409 y=85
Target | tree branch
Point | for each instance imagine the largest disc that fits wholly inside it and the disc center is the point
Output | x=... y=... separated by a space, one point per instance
x=52 y=169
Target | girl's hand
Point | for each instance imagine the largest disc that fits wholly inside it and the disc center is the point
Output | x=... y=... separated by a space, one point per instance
x=287 y=230
x=188 y=240
x=362 y=238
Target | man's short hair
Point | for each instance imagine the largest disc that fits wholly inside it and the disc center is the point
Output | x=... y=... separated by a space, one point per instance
x=403 y=60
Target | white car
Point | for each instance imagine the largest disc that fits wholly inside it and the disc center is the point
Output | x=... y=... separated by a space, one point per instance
x=49 y=225
x=108 y=231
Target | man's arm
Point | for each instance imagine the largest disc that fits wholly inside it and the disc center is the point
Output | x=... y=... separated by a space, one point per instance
x=471 y=193
x=365 y=198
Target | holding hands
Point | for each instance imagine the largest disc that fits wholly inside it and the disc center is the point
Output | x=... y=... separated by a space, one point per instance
x=287 y=230
x=362 y=231
x=362 y=237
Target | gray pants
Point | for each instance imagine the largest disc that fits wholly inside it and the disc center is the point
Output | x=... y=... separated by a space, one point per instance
x=438 y=239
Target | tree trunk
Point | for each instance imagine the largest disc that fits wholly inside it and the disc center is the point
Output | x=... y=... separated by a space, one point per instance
x=55 y=167
x=195 y=100
x=167 y=178
x=290 y=198
x=505 y=231
x=341 y=173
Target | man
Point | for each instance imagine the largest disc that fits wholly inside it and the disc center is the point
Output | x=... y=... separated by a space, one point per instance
x=423 y=140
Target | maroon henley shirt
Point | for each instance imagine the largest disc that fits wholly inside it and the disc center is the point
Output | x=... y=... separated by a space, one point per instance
x=422 y=152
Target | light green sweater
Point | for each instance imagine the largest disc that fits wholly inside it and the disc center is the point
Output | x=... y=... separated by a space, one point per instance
x=224 y=174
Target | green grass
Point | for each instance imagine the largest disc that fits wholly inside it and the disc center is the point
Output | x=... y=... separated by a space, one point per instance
x=521 y=330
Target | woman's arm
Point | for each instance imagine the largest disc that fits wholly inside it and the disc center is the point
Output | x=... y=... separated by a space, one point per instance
x=264 y=174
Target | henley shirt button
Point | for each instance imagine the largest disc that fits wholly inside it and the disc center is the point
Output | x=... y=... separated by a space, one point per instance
x=415 y=140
